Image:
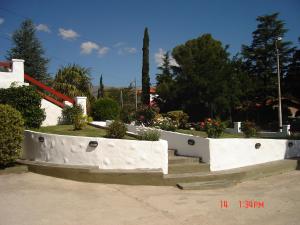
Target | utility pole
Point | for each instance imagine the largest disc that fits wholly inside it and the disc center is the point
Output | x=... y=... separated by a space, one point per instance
x=279 y=88
x=121 y=96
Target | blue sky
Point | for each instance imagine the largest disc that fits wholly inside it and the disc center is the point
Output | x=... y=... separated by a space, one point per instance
x=107 y=35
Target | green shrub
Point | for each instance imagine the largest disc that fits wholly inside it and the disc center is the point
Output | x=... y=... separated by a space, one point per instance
x=127 y=115
x=213 y=128
x=27 y=101
x=105 y=109
x=69 y=113
x=146 y=115
x=11 y=134
x=149 y=135
x=116 y=129
x=179 y=117
x=249 y=129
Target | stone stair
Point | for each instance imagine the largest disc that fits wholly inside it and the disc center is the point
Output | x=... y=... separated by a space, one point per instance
x=189 y=173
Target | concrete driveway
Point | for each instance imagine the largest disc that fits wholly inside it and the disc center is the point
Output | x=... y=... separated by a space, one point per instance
x=32 y=199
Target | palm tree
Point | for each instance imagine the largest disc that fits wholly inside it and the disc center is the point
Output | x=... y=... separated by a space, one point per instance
x=73 y=80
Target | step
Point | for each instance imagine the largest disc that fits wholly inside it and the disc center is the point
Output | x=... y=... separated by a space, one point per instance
x=205 y=185
x=188 y=167
x=183 y=159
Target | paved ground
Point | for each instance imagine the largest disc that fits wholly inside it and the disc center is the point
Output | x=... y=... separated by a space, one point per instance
x=33 y=199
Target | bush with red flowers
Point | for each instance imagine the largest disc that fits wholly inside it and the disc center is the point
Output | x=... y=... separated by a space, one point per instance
x=213 y=128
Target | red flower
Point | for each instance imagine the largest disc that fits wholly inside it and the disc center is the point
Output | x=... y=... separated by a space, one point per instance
x=208 y=120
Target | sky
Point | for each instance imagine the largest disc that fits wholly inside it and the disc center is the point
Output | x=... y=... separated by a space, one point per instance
x=107 y=36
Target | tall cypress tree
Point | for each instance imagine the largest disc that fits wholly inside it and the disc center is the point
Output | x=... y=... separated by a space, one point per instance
x=27 y=46
x=100 y=89
x=145 y=70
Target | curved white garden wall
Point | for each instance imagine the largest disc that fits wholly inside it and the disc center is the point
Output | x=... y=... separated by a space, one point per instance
x=109 y=154
x=179 y=142
x=230 y=153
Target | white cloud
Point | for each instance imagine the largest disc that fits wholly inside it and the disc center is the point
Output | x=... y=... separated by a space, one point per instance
x=103 y=50
x=1 y=20
x=130 y=50
x=118 y=44
x=88 y=47
x=159 y=58
x=68 y=34
x=43 y=27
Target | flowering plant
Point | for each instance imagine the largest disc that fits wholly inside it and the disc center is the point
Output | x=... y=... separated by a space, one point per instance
x=213 y=128
x=165 y=123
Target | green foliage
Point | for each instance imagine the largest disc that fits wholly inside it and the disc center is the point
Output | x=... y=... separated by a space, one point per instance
x=213 y=128
x=203 y=77
x=145 y=70
x=79 y=121
x=292 y=80
x=127 y=114
x=165 y=87
x=249 y=129
x=69 y=113
x=27 y=101
x=100 y=93
x=11 y=134
x=27 y=46
x=146 y=115
x=116 y=129
x=74 y=80
x=180 y=118
x=260 y=56
x=105 y=109
x=149 y=135
x=165 y=123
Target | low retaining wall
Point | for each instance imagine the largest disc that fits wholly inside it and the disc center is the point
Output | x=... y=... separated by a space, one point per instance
x=230 y=153
x=185 y=144
x=109 y=154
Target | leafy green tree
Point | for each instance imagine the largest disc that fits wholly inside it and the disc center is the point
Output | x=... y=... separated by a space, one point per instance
x=27 y=46
x=202 y=77
x=145 y=70
x=100 y=93
x=165 y=87
x=292 y=81
x=73 y=80
x=260 y=56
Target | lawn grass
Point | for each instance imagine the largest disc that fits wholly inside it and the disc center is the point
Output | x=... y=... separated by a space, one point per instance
x=88 y=131
x=203 y=134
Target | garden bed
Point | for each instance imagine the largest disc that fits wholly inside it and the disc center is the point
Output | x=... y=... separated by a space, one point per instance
x=88 y=131
x=204 y=135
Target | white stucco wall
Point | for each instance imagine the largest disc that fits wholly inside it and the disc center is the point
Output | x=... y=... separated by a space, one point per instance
x=230 y=153
x=53 y=113
x=109 y=154
x=15 y=76
x=179 y=142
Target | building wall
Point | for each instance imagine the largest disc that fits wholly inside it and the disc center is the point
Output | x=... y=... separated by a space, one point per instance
x=16 y=76
x=53 y=113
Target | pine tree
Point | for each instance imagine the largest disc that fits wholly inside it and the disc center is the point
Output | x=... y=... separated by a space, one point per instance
x=27 y=46
x=260 y=56
x=101 y=88
x=145 y=70
x=292 y=81
x=165 y=86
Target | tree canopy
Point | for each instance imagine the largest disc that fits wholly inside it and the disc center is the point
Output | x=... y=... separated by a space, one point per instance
x=27 y=46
